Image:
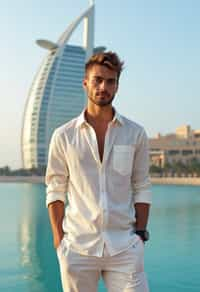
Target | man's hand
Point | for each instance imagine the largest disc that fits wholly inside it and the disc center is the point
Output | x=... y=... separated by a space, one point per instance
x=57 y=239
x=56 y=215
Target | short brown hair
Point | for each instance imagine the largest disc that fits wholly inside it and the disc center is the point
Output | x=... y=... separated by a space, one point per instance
x=108 y=59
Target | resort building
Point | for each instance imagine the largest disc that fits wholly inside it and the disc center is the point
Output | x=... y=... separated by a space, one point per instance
x=56 y=95
x=181 y=146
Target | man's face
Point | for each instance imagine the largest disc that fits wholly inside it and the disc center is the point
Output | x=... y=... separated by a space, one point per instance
x=101 y=85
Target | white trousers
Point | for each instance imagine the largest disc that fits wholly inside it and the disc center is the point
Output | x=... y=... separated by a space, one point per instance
x=123 y=272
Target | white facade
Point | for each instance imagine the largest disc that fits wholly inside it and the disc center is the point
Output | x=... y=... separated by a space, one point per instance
x=56 y=95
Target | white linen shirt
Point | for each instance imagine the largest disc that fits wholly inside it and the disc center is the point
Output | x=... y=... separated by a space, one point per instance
x=100 y=195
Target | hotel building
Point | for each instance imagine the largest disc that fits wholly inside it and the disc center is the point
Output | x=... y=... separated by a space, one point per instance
x=56 y=95
x=181 y=146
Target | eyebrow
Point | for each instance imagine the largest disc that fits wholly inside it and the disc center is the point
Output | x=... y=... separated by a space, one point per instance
x=99 y=76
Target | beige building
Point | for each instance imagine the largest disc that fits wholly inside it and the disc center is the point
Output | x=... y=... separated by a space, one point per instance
x=183 y=145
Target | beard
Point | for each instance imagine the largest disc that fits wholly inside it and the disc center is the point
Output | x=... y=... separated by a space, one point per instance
x=103 y=98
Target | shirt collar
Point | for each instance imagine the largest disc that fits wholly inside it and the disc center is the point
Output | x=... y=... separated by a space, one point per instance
x=81 y=120
x=118 y=118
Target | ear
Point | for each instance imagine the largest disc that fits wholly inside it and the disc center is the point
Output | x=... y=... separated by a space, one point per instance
x=84 y=83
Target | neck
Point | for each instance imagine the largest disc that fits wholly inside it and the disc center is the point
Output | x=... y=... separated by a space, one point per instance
x=99 y=114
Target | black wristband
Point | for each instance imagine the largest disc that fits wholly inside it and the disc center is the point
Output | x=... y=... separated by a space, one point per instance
x=144 y=234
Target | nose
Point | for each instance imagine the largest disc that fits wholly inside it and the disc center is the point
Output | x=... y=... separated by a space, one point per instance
x=103 y=85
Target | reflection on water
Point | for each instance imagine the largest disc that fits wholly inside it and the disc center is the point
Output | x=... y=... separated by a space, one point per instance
x=25 y=243
x=37 y=257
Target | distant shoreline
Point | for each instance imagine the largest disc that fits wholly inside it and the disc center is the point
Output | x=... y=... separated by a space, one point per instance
x=195 y=181
x=22 y=179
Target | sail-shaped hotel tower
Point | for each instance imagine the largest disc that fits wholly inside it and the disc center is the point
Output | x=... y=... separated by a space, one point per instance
x=56 y=95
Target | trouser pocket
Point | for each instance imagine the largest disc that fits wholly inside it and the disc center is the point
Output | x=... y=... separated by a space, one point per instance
x=60 y=248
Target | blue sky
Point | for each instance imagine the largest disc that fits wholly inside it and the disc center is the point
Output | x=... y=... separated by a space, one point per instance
x=158 y=40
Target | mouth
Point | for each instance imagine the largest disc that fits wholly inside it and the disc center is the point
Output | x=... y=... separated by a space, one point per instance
x=103 y=95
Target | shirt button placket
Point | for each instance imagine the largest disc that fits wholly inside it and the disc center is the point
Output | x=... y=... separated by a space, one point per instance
x=103 y=199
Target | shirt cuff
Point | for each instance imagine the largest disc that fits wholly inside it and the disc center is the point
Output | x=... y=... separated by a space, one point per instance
x=144 y=196
x=52 y=197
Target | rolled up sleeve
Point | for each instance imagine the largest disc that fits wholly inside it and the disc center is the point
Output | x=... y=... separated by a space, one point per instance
x=57 y=173
x=140 y=178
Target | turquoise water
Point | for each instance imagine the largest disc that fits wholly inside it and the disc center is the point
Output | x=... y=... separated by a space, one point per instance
x=28 y=262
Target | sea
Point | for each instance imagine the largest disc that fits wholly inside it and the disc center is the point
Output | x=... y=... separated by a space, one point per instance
x=28 y=262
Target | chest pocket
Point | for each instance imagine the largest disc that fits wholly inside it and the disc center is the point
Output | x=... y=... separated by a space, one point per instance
x=123 y=158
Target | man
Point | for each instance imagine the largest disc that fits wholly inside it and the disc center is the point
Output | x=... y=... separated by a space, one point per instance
x=100 y=159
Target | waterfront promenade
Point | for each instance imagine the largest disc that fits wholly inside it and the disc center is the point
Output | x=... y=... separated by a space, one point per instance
x=195 y=181
x=22 y=179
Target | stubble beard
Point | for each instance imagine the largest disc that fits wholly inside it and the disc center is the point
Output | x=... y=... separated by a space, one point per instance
x=101 y=102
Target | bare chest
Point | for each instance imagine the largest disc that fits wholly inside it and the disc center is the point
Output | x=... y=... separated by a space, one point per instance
x=100 y=135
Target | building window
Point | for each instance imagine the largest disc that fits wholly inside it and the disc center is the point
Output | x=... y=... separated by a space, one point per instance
x=187 y=152
x=173 y=152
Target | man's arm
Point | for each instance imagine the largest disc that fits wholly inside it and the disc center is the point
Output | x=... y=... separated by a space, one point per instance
x=141 y=183
x=57 y=176
x=56 y=215
x=142 y=215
